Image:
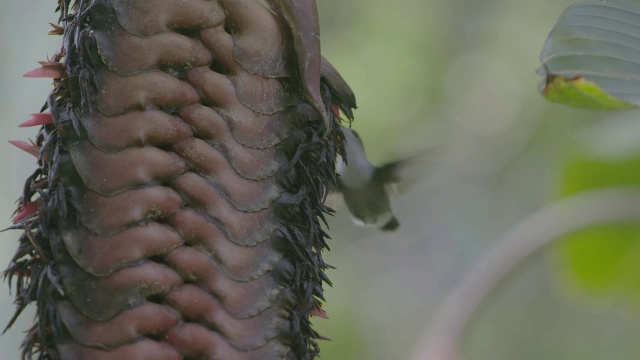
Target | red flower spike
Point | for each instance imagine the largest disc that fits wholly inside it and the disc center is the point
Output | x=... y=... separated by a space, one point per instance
x=38 y=119
x=48 y=70
x=31 y=148
x=316 y=311
x=30 y=208
x=57 y=29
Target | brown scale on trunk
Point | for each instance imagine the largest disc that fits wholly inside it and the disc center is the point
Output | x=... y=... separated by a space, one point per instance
x=181 y=183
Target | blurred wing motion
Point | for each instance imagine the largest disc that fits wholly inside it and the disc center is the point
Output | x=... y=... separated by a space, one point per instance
x=366 y=188
x=401 y=175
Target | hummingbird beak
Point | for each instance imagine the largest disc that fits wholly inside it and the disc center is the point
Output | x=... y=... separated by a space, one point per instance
x=341 y=94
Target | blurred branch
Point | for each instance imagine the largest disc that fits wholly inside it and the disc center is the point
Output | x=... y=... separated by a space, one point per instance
x=441 y=339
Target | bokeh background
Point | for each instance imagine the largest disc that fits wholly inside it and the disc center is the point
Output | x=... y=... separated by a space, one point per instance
x=458 y=75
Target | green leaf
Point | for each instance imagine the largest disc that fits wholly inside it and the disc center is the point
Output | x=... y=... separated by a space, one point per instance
x=581 y=93
x=604 y=260
x=592 y=56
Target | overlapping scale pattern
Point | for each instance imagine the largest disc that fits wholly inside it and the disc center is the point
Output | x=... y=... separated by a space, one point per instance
x=180 y=219
x=191 y=182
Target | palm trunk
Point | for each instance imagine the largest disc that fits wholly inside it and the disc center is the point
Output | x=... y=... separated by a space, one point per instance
x=175 y=212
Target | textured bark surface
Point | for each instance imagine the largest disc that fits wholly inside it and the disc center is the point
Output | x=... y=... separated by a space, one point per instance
x=181 y=184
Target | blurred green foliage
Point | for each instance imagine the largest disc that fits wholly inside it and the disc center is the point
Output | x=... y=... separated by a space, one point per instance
x=604 y=259
x=589 y=62
x=581 y=93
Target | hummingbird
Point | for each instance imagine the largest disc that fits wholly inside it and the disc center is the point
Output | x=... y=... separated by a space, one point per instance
x=365 y=187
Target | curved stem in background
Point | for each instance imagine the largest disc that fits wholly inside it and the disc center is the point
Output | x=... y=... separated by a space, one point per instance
x=441 y=339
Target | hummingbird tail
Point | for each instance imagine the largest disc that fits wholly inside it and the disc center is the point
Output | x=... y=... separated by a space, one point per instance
x=391 y=225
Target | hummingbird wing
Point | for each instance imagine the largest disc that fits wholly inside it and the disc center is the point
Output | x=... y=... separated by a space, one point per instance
x=400 y=175
x=394 y=176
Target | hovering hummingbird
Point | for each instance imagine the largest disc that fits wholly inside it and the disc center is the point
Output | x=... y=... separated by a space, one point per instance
x=365 y=187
